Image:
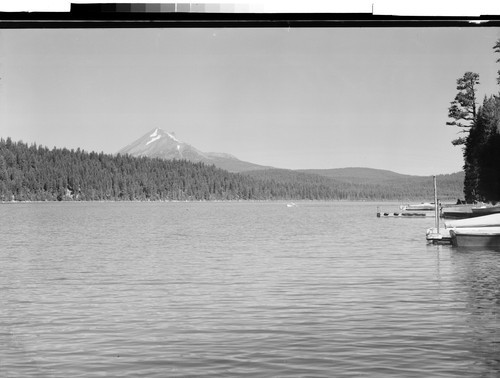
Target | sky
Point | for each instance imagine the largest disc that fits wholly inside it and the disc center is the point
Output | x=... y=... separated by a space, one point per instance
x=295 y=98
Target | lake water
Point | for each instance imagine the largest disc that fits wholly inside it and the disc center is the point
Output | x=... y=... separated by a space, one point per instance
x=240 y=289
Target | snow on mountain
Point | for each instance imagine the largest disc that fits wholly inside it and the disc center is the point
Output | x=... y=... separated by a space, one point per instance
x=154 y=136
x=157 y=134
x=158 y=143
x=173 y=137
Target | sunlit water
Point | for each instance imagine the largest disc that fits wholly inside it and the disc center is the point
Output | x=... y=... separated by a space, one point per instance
x=239 y=289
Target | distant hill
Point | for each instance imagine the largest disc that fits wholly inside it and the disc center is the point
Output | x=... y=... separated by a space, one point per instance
x=158 y=143
x=358 y=175
x=449 y=185
x=368 y=183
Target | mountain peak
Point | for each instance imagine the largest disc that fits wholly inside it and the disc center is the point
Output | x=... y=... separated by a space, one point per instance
x=158 y=133
x=158 y=143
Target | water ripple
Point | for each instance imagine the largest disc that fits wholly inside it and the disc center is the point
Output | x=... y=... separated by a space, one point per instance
x=239 y=289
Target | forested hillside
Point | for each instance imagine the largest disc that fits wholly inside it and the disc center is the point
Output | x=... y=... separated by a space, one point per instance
x=371 y=184
x=450 y=185
x=359 y=175
x=35 y=173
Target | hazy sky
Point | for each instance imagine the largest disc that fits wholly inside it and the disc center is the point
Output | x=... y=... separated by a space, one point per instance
x=290 y=98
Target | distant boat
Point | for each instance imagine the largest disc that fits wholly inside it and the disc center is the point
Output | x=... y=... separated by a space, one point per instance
x=486 y=210
x=424 y=206
x=475 y=237
x=291 y=204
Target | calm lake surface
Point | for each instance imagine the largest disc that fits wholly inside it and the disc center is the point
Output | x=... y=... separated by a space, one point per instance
x=240 y=289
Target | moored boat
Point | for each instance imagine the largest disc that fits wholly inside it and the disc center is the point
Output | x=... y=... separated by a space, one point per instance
x=457 y=212
x=475 y=237
x=492 y=220
x=484 y=210
x=420 y=207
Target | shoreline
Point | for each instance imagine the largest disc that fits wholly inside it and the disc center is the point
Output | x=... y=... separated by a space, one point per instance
x=393 y=201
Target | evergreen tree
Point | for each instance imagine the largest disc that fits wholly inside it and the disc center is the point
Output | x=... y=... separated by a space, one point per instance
x=463 y=107
x=497 y=50
x=487 y=151
x=473 y=145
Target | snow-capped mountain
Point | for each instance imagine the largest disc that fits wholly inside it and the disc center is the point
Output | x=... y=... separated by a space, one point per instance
x=161 y=144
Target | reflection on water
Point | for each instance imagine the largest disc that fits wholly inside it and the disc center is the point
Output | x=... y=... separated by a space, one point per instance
x=239 y=289
x=477 y=270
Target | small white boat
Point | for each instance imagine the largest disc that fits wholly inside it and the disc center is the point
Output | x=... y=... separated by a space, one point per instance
x=291 y=204
x=475 y=237
x=492 y=220
x=424 y=206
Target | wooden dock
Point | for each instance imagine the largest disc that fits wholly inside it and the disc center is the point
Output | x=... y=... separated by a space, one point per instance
x=438 y=236
x=404 y=215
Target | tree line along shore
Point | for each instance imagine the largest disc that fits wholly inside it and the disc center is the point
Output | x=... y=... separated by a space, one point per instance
x=37 y=173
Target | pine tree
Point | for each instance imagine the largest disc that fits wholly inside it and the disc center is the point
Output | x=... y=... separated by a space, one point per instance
x=463 y=107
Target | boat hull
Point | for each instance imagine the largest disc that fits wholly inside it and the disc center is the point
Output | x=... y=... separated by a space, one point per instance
x=486 y=210
x=486 y=237
x=459 y=214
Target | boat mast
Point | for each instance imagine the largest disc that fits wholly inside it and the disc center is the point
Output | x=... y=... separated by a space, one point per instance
x=436 y=209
